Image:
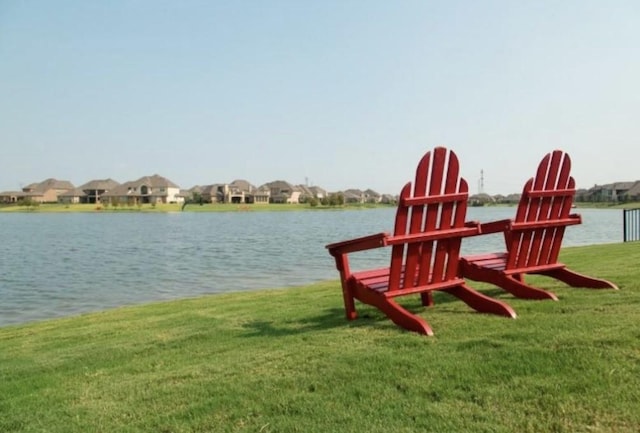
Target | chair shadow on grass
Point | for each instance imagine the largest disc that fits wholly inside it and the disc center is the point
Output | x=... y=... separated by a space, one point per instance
x=334 y=317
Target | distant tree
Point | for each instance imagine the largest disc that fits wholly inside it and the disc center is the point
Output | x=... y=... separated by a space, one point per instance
x=196 y=197
x=336 y=199
x=29 y=202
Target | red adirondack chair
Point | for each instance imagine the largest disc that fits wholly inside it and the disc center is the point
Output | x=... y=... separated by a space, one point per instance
x=425 y=248
x=534 y=237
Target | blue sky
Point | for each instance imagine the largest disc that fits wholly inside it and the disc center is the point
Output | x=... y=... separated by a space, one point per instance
x=340 y=94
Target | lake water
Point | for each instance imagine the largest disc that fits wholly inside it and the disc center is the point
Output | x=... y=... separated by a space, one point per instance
x=62 y=264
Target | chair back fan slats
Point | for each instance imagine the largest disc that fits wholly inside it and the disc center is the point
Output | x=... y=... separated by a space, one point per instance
x=425 y=249
x=435 y=202
x=548 y=197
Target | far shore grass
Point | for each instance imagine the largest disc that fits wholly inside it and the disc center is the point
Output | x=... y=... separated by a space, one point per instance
x=232 y=207
x=178 y=207
x=286 y=360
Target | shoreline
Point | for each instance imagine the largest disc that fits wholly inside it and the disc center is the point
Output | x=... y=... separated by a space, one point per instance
x=225 y=207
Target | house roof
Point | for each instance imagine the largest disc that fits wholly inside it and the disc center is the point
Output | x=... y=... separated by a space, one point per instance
x=623 y=185
x=353 y=192
x=210 y=189
x=634 y=190
x=371 y=193
x=155 y=181
x=242 y=185
x=613 y=186
x=98 y=184
x=305 y=190
x=132 y=188
x=282 y=184
x=318 y=190
x=49 y=184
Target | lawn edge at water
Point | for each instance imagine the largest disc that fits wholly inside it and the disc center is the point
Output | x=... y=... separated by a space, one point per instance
x=287 y=360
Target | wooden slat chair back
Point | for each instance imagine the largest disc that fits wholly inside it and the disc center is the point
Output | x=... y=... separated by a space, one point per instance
x=429 y=226
x=542 y=215
x=425 y=248
x=534 y=237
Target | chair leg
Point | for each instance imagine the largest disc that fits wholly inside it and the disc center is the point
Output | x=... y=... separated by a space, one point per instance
x=403 y=318
x=427 y=299
x=513 y=284
x=480 y=302
x=520 y=289
x=575 y=279
x=349 y=302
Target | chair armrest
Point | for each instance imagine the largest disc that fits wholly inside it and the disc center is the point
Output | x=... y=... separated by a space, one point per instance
x=495 y=226
x=576 y=216
x=358 y=244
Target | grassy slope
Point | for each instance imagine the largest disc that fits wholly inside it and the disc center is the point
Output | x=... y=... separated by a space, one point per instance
x=286 y=360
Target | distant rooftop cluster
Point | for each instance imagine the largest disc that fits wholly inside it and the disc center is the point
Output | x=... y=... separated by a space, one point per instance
x=617 y=192
x=157 y=189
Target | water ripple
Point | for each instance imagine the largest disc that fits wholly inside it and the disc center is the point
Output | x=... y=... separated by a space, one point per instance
x=61 y=264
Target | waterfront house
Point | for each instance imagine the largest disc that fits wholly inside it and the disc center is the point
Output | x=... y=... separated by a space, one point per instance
x=612 y=192
x=7 y=197
x=283 y=192
x=633 y=194
x=371 y=196
x=318 y=192
x=238 y=191
x=72 y=196
x=146 y=190
x=46 y=191
x=353 y=196
x=94 y=189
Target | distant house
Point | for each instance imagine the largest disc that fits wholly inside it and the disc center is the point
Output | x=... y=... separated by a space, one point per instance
x=213 y=193
x=512 y=198
x=612 y=192
x=283 y=192
x=388 y=199
x=305 y=193
x=93 y=190
x=72 y=196
x=7 y=197
x=148 y=189
x=480 y=199
x=238 y=191
x=371 y=196
x=262 y=195
x=633 y=194
x=353 y=196
x=318 y=192
x=46 y=191
x=310 y=192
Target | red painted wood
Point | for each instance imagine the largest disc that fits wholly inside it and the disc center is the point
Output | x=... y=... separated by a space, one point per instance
x=425 y=248
x=534 y=237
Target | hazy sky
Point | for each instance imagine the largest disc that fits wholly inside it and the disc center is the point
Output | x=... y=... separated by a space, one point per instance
x=340 y=94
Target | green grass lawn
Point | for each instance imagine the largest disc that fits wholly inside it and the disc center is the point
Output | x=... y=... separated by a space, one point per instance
x=285 y=360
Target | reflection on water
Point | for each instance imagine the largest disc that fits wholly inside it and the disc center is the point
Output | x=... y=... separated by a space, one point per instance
x=61 y=264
